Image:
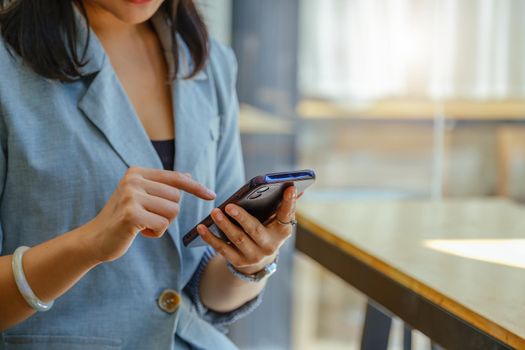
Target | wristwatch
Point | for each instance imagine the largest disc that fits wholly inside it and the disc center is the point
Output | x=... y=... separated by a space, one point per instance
x=268 y=270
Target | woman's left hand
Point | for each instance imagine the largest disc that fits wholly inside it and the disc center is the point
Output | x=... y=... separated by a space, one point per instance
x=253 y=245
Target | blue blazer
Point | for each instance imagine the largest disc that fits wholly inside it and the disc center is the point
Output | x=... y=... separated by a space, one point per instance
x=65 y=146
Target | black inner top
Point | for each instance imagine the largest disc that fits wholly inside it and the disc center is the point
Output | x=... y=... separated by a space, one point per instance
x=166 y=151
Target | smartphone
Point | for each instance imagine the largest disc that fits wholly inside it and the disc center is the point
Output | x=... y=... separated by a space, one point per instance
x=260 y=197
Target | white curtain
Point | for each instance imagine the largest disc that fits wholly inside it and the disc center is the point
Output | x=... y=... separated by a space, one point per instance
x=441 y=49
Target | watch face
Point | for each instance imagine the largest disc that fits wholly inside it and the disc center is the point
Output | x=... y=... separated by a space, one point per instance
x=256 y=277
x=271 y=268
x=267 y=271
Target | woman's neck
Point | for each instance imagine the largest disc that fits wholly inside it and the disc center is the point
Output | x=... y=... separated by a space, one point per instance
x=108 y=27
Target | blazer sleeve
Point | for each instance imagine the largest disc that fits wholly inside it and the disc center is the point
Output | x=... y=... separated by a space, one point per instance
x=3 y=170
x=229 y=176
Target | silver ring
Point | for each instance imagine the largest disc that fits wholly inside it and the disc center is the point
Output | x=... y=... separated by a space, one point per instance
x=292 y=222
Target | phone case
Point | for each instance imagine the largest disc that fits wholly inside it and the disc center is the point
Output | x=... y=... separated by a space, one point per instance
x=260 y=197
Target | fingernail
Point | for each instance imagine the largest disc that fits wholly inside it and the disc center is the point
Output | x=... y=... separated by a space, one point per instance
x=219 y=216
x=211 y=193
x=233 y=211
x=291 y=194
x=200 y=231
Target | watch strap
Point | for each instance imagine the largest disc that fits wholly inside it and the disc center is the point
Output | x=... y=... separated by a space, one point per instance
x=268 y=270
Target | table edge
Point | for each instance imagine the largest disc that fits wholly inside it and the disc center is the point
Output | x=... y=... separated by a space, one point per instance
x=458 y=310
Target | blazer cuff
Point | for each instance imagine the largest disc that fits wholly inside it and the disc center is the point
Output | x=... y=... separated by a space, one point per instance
x=221 y=320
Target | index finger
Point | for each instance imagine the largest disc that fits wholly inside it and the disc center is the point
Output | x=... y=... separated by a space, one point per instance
x=285 y=211
x=178 y=180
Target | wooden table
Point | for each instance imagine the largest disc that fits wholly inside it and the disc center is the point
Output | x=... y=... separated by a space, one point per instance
x=454 y=269
x=413 y=109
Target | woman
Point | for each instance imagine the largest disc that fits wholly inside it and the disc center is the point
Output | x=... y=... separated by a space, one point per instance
x=94 y=95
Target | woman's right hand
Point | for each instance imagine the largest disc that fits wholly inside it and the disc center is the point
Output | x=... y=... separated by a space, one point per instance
x=147 y=201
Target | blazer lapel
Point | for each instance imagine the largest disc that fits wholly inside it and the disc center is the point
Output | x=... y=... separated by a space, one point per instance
x=107 y=106
x=194 y=109
x=194 y=124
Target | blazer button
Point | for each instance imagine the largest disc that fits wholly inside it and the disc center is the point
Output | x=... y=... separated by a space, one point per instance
x=169 y=301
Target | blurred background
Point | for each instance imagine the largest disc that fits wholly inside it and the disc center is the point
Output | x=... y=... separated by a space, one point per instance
x=385 y=99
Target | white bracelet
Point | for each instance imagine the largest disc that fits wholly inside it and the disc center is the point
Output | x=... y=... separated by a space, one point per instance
x=22 y=284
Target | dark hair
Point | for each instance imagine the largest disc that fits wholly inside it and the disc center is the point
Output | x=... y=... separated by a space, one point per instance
x=44 y=34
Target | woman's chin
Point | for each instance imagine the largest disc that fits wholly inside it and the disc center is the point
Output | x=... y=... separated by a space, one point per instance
x=134 y=14
x=130 y=11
